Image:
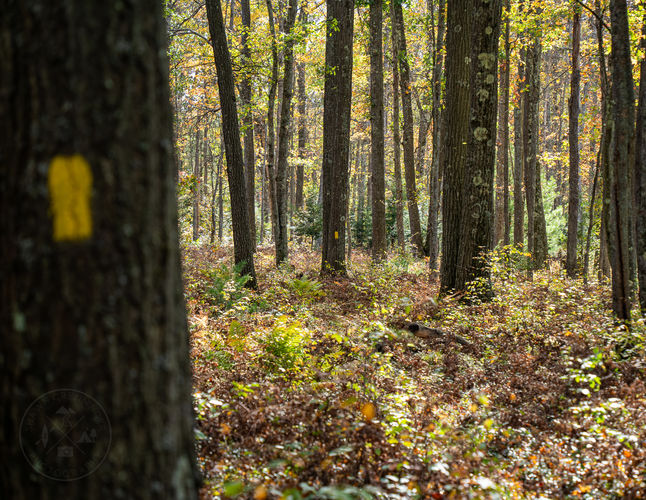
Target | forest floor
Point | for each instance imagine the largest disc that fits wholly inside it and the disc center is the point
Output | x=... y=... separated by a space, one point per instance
x=313 y=388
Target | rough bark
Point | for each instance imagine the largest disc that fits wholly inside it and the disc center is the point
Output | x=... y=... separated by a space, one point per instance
x=477 y=210
x=640 y=175
x=408 y=143
x=573 y=139
x=283 y=134
x=620 y=227
x=336 y=132
x=197 y=194
x=378 y=175
x=91 y=293
x=247 y=118
x=455 y=128
x=242 y=244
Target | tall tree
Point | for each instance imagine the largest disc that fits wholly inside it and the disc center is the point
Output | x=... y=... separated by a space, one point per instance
x=477 y=210
x=436 y=115
x=501 y=230
x=271 y=135
x=455 y=126
x=91 y=287
x=378 y=175
x=242 y=244
x=573 y=135
x=283 y=133
x=620 y=227
x=247 y=118
x=409 y=146
x=302 y=126
x=397 y=169
x=336 y=131
x=640 y=172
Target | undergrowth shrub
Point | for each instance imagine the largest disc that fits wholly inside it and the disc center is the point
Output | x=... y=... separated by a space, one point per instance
x=285 y=345
x=227 y=285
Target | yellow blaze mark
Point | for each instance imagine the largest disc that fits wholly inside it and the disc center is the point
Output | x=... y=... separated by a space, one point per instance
x=70 y=186
x=336 y=235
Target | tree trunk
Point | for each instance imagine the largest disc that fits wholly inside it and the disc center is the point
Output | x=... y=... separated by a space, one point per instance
x=455 y=128
x=378 y=177
x=573 y=200
x=242 y=244
x=399 y=192
x=530 y=141
x=502 y=174
x=620 y=228
x=477 y=210
x=283 y=135
x=640 y=175
x=92 y=316
x=302 y=133
x=436 y=113
x=409 y=151
x=519 y=202
x=247 y=118
x=336 y=132
x=271 y=102
x=198 y=191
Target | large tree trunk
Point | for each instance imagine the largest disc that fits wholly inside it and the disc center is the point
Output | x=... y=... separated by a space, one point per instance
x=92 y=316
x=283 y=135
x=242 y=243
x=247 y=119
x=640 y=175
x=397 y=169
x=455 y=128
x=436 y=114
x=336 y=132
x=620 y=227
x=477 y=210
x=378 y=177
x=573 y=200
x=409 y=146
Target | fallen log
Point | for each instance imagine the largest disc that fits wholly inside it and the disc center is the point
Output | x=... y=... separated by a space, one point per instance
x=425 y=332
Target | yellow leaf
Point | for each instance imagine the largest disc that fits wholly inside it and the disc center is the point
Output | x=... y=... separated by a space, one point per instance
x=369 y=411
x=260 y=493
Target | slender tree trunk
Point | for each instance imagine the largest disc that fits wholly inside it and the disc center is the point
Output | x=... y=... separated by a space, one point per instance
x=302 y=133
x=595 y=183
x=92 y=317
x=336 y=132
x=409 y=152
x=620 y=229
x=247 y=118
x=455 y=126
x=434 y=185
x=477 y=211
x=242 y=244
x=573 y=200
x=198 y=190
x=502 y=174
x=399 y=192
x=530 y=142
x=519 y=201
x=378 y=177
x=283 y=135
x=271 y=102
x=215 y=186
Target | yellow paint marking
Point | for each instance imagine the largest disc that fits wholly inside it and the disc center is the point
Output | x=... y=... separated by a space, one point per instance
x=336 y=235
x=70 y=187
